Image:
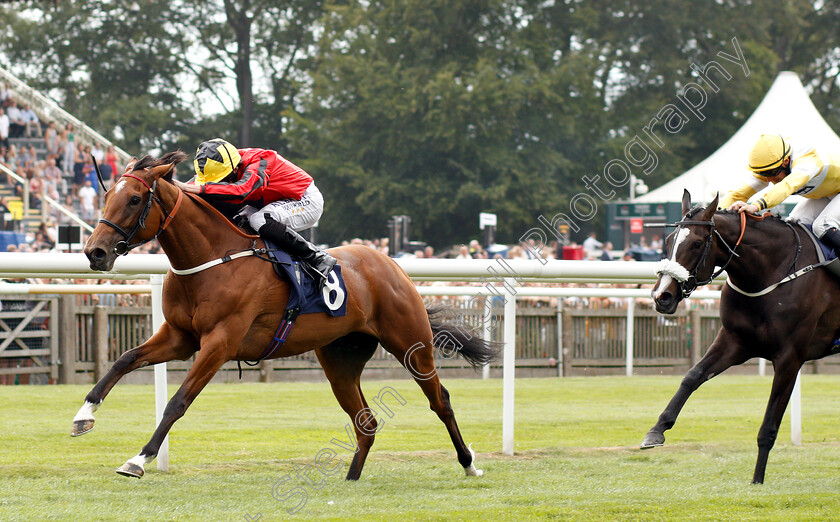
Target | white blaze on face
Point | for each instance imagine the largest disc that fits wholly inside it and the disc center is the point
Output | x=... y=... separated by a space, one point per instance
x=120 y=186
x=666 y=279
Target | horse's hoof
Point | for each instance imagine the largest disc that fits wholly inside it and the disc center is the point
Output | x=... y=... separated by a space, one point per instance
x=653 y=440
x=129 y=469
x=80 y=427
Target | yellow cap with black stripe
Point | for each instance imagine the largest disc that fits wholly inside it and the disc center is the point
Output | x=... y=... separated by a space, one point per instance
x=214 y=160
x=769 y=151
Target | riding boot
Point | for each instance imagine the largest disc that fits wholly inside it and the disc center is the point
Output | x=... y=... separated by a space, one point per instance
x=321 y=262
x=831 y=238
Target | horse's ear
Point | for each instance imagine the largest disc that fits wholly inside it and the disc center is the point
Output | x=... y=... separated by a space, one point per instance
x=130 y=165
x=686 y=202
x=161 y=170
x=709 y=211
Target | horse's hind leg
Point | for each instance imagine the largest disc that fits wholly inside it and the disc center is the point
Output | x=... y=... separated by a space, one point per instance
x=165 y=345
x=417 y=357
x=724 y=353
x=343 y=361
x=784 y=379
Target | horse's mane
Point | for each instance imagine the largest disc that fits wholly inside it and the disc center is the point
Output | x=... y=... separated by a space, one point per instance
x=148 y=162
x=773 y=218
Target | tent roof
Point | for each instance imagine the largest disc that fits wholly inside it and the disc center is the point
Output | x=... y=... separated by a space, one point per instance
x=786 y=108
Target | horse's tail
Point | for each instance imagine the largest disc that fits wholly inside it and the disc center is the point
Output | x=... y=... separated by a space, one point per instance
x=455 y=337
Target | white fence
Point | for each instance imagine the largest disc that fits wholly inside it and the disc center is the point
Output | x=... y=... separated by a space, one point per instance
x=501 y=277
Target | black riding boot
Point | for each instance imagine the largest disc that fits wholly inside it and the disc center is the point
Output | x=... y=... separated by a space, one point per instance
x=292 y=242
x=831 y=237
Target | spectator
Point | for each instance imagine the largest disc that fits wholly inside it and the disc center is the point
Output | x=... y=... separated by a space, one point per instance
x=463 y=253
x=69 y=152
x=31 y=157
x=5 y=94
x=628 y=257
x=111 y=160
x=59 y=157
x=5 y=213
x=12 y=160
x=87 y=195
x=605 y=255
x=97 y=153
x=79 y=174
x=590 y=245
x=656 y=243
x=30 y=121
x=16 y=123
x=52 y=175
x=429 y=252
x=51 y=139
x=4 y=128
x=36 y=189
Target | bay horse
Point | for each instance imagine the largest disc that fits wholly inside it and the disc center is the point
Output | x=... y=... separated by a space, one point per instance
x=788 y=322
x=230 y=311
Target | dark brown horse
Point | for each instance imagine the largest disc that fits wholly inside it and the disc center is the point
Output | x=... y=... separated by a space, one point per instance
x=788 y=323
x=231 y=311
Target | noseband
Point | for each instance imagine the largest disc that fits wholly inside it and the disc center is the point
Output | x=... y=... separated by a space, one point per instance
x=123 y=247
x=687 y=284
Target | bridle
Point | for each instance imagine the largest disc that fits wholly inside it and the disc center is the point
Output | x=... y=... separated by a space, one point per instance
x=690 y=283
x=123 y=247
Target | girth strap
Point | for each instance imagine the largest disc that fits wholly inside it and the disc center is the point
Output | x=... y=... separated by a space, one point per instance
x=278 y=340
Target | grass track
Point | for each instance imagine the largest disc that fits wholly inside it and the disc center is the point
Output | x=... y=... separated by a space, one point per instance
x=576 y=456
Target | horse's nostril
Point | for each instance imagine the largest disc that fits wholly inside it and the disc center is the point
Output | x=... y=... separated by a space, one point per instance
x=98 y=254
x=665 y=297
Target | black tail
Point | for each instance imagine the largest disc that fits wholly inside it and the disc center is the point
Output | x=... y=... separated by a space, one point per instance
x=452 y=337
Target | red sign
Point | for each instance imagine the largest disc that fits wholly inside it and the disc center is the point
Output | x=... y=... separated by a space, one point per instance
x=636 y=226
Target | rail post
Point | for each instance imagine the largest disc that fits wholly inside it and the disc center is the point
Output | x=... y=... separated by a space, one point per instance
x=161 y=394
x=509 y=369
x=100 y=342
x=629 y=334
x=67 y=346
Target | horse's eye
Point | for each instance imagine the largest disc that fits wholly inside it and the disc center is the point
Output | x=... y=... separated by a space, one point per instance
x=697 y=244
x=135 y=200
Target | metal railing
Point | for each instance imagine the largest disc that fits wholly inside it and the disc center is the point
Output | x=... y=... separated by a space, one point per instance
x=50 y=201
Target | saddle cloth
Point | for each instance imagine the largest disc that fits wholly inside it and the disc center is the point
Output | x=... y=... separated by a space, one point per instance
x=824 y=252
x=303 y=288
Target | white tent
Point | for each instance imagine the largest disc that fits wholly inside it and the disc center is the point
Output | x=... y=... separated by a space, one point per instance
x=785 y=109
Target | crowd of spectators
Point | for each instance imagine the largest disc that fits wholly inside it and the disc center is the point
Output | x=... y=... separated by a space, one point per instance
x=57 y=165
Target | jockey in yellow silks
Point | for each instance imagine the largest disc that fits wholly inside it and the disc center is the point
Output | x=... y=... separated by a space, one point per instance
x=793 y=168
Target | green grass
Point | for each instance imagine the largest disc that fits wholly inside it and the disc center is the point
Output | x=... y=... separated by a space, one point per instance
x=577 y=454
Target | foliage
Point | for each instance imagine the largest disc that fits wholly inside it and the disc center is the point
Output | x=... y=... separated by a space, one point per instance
x=435 y=109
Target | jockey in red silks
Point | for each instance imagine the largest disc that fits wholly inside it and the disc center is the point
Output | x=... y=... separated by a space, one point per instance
x=277 y=197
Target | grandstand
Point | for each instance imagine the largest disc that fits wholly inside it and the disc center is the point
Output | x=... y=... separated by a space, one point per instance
x=26 y=219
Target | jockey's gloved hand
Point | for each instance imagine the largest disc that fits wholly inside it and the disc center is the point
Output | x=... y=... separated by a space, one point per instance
x=240 y=220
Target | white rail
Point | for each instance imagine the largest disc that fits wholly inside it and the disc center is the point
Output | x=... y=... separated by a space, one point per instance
x=507 y=273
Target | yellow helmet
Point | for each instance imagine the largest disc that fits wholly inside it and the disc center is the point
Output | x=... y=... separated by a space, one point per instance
x=214 y=160
x=768 y=152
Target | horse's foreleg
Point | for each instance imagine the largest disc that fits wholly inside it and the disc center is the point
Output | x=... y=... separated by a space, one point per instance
x=165 y=345
x=784 y=379
x=724 y=353
x=210 y=358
